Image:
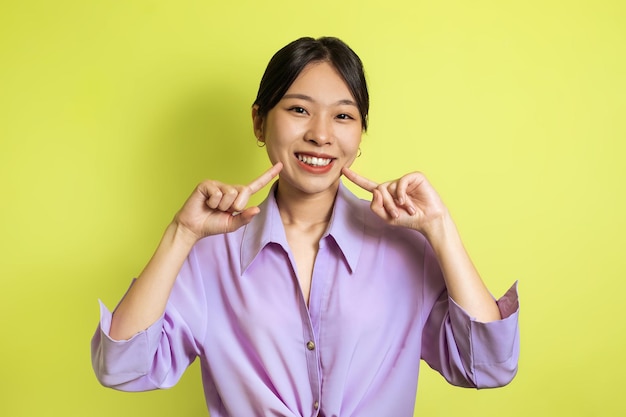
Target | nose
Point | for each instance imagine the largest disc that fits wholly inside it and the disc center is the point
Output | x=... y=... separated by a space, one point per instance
x=320 y=131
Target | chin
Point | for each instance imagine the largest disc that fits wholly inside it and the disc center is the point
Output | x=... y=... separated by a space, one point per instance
x=316 y=187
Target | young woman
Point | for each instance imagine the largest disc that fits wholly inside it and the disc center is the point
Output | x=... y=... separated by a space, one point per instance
x=314 y=303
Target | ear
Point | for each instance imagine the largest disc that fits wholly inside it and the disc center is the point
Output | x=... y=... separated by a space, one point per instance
x=257 y=123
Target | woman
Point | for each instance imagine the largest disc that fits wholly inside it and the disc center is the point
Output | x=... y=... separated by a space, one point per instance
x=315 y=302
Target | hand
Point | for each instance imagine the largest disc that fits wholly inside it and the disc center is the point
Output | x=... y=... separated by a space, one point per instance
x=216 y=208
x=409 y=201
x=412 y=202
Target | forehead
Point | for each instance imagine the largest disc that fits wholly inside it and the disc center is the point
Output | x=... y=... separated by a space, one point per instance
x=321 y=80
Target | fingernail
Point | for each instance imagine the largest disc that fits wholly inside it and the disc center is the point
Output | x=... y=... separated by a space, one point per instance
x=411 y=211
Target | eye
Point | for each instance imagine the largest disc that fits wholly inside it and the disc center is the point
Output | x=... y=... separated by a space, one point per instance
x=297 y=109
x=344 y=116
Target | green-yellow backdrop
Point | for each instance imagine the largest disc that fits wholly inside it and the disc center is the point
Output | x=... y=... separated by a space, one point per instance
x=112 y=111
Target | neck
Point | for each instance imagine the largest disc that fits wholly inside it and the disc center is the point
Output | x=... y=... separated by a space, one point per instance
x=299 y=208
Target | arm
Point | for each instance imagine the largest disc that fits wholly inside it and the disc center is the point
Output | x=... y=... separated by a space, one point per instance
x=470 y=338
x=463 y=282
x=413 y=203
x=213 y=208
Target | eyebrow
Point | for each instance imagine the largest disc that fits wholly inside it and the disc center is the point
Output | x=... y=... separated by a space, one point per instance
x=310 y=99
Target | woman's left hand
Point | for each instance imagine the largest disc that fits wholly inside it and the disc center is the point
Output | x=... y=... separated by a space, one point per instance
x=412 y=202
x=409 y=201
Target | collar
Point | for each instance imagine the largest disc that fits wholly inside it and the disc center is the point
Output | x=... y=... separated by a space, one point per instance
x=346 y=228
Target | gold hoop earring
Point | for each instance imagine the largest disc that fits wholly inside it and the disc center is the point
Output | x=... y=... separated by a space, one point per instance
x=260 y=143
x=359 y=154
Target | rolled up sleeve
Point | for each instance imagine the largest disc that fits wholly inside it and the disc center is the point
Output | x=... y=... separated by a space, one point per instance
x=157 y=356
x=124 y=364
x=492 y=351
x=471 y=353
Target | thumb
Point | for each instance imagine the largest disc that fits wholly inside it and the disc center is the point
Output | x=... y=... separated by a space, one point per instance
x=244 y=217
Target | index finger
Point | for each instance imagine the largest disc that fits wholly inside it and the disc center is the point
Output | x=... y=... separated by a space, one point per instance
x=265 y=178
x=362 y=182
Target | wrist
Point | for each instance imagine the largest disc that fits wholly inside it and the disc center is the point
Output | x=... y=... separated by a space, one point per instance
x=441 y=231
x=180 y=235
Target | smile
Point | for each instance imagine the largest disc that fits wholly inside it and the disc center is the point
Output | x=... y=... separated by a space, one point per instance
x=314 y=161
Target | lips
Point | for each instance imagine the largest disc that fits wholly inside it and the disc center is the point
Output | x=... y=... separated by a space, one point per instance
x=314 y=161
x=317 y=164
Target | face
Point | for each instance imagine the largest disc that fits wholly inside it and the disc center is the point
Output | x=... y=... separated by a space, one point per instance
x=314 y=130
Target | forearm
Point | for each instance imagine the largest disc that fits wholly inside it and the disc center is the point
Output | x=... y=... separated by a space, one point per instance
x=462 y=280
x=146 y=300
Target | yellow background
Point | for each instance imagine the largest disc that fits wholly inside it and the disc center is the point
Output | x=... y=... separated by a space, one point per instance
x=111 y=112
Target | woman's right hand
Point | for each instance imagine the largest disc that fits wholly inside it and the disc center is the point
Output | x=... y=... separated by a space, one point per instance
x=212 y=208
x=216 y=208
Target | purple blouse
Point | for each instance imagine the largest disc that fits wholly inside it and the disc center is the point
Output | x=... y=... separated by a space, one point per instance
x=378 y=304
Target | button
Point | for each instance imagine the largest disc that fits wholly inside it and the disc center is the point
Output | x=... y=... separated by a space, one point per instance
x=316 y=405
x=310 y=345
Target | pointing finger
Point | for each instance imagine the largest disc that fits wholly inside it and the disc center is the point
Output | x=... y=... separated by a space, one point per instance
x=362 y=182
x=260 y=182
x=265 y=178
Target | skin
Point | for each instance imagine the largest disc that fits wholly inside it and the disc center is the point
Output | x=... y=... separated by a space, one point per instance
x=317 y=117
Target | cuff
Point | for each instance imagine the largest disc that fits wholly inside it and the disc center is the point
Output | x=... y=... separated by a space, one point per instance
x=494 y=346
x=118 y=361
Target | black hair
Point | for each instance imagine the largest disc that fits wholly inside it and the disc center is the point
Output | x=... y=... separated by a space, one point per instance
x=289 y=61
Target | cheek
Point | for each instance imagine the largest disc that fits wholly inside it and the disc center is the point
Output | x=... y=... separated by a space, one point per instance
x=282 y=131
x=352 y=141
x=272 y=151
x=277 y=143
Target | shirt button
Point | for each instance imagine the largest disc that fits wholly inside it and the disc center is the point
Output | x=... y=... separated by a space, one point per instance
x=316 y=405
x=310 y=345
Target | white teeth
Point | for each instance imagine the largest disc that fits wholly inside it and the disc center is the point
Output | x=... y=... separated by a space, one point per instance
x=314 y=161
